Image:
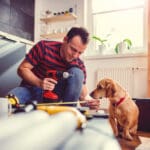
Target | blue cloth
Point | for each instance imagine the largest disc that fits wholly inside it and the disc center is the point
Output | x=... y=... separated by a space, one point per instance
x=67 y=89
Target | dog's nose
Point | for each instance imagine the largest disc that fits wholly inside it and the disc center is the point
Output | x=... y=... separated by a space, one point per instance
x=91 y=94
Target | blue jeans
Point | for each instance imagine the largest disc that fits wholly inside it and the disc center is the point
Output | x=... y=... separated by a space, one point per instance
x=67 y=89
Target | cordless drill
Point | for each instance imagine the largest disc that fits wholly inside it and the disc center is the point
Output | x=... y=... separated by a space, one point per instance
x=56 y=75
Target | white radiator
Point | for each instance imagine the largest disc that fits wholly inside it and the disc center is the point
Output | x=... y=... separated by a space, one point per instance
x=133 y=79
x=124 y=76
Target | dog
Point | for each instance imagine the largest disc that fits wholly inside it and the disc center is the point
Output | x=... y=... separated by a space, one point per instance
x=123 y=112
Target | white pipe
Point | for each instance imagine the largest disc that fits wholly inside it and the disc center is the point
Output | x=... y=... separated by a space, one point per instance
x=47 y=135
x=19 y=122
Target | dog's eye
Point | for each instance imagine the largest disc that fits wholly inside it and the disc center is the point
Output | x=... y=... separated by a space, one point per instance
x=99 y=87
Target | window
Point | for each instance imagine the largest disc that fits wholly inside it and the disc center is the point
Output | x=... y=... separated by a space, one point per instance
x=114 y=21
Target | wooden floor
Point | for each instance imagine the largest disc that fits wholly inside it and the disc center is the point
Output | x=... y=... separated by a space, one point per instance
x=140 y=142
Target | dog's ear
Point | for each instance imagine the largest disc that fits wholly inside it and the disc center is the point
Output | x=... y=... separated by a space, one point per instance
x=101 y=84
x=110 y=88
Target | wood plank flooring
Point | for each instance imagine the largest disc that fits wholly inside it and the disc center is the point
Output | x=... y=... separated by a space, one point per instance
x=140 y=142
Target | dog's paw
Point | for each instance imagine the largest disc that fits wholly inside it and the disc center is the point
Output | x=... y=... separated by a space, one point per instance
x=127 y=137
x=116 y=133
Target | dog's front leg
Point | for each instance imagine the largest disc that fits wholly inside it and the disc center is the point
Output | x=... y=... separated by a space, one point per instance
x=126 y=133
x=113 y=123
x=133 y=130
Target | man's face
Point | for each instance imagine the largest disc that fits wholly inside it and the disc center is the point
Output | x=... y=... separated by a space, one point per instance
x=73 y=49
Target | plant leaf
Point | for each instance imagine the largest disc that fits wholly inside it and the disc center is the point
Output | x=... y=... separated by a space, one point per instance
x=96 y=38
x=129 y=43
x=117 y=48
x=99 y=39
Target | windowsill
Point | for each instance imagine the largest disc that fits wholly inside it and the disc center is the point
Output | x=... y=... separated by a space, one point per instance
x=115 y=56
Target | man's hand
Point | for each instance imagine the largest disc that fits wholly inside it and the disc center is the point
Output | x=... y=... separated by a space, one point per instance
x=93 y=104
x=48 y=84
x=89 y=101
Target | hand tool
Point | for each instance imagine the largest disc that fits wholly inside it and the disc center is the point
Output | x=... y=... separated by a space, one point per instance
x=56 y=75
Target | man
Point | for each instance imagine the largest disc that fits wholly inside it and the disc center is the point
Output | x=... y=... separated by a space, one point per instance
x=52 y=55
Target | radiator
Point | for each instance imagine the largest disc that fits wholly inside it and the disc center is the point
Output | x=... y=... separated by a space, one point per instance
x=124 y=76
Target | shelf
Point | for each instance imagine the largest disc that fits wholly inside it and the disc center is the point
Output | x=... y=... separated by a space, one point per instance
x=53 y=35
x=65 y=17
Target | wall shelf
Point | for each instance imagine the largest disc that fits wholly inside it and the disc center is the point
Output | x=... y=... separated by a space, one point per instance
x=59 y=18
x=65 y=17
x=53 y=35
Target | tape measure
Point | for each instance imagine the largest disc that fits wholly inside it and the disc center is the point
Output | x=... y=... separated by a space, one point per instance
x=13 y=100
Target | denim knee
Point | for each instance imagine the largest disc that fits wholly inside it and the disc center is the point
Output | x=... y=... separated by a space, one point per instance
x=22 y=93
x=77 y=74
x=73 y=85
x=27 y=94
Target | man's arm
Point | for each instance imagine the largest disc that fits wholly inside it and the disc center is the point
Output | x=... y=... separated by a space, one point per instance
x=25 y=72
x=84 y=93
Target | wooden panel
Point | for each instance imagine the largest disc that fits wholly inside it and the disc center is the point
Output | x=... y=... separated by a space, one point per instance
x=65 y=17
x=144 y=108
x=148 y=5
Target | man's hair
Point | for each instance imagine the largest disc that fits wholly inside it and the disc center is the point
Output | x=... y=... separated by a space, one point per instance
x=78 y=31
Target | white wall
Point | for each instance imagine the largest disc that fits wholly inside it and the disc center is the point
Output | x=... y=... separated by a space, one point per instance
x=140 y=77
x=140 y=84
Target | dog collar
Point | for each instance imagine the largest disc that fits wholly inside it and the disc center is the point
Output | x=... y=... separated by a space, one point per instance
x=120 y=101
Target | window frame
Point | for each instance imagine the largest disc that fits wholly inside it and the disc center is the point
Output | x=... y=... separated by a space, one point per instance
x=89 y=23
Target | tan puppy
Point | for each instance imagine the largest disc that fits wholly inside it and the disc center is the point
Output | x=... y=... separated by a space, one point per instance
x=123 y=112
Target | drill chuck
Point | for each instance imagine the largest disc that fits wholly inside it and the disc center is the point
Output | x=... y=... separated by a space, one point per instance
x=62 y=75
x=66 y=75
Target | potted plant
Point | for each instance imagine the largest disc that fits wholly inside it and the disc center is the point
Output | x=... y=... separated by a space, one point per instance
x=102 y=45
x=123 y=45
